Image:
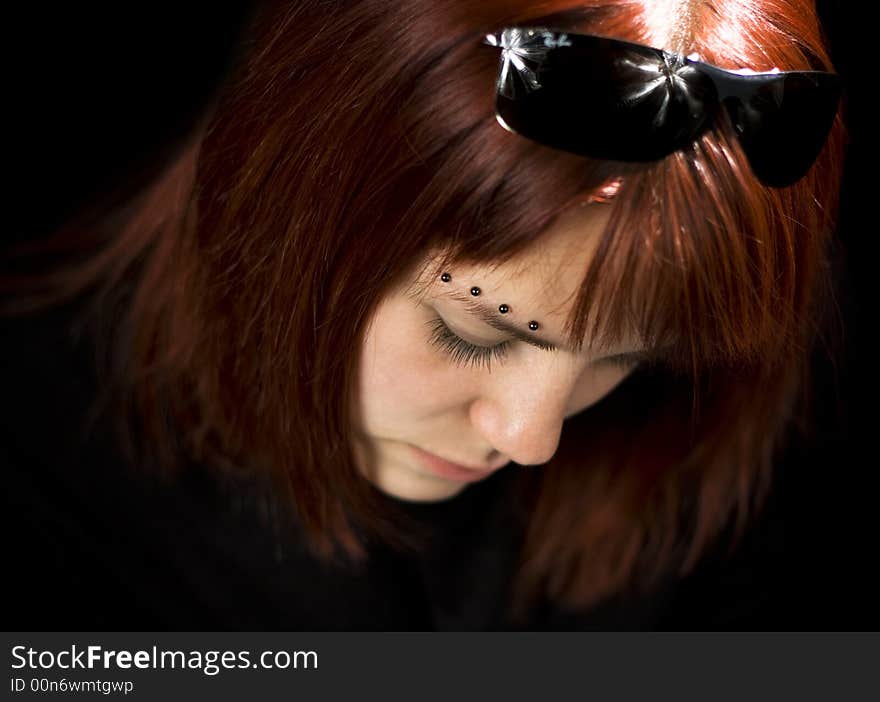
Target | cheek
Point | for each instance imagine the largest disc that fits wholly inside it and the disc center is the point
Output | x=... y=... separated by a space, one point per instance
x=402 y=379
x=594 y=384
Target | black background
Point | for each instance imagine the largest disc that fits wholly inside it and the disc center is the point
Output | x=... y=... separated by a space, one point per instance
x=97 y=104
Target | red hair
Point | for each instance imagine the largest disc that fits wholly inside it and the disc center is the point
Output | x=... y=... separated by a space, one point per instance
x=357 y=136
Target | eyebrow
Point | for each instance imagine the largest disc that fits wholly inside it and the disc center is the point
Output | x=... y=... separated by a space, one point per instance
x=488 y=315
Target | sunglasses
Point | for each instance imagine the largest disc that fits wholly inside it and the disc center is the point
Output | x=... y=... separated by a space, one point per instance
x=613 y=99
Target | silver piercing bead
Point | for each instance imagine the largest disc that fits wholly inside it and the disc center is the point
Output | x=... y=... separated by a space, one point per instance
x=475 y=291
x=533 y=325
x=446 y=277
x=503 y=309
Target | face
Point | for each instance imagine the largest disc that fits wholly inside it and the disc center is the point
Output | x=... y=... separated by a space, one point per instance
x=440 y=385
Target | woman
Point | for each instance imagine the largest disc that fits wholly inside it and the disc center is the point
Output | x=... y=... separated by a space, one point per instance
x=422 y=251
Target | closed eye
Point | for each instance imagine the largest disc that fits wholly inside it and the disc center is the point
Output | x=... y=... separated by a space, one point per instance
x=465 y=353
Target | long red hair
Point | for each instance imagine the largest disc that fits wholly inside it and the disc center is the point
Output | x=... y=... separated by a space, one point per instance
x=355 y=137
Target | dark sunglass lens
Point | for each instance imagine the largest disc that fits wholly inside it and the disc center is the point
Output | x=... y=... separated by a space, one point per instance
x=604 y=98
x=783 y=125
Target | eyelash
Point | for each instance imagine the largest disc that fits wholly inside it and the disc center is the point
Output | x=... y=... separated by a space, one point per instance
x=465 y=353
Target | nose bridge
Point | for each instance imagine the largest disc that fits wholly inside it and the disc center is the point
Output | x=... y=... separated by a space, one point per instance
x=521 y=412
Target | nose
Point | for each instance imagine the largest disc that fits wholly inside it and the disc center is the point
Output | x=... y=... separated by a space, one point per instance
x=522 y=417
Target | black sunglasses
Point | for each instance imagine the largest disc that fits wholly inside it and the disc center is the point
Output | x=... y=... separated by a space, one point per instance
x=613 y=99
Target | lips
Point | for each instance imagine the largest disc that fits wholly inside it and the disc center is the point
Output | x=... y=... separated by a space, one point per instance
x=449 y=470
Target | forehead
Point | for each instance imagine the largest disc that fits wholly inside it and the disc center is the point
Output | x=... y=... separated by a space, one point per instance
x=542 y=282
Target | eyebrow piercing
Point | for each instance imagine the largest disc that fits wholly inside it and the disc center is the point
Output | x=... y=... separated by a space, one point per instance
x=503 y=308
